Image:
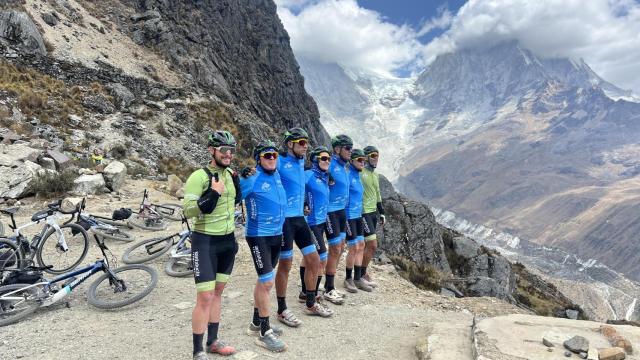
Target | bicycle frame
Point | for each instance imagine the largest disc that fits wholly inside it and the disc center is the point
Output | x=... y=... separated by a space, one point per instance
x=98 y=266
x=50 y=223
x=178 y=250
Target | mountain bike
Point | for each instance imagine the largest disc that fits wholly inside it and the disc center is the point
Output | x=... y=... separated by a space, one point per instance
x=115 y=288
x=179 y=263
x=99 y=227
x=148 y=217
x=57 y=248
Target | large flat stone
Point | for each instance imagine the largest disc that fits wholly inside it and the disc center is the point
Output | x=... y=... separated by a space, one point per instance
x=519 y=337
x=13 y=155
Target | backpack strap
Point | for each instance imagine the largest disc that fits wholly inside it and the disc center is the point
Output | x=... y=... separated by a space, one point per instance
x=210 y=175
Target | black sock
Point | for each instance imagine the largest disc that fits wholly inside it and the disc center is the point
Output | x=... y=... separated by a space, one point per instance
x=318 y=284
x=304 y=286
x=357 y=273
x=282 y=304
x=311 y=298
x=363 y=271
x=328 y=283
x=349 y=271
x=197 y=343
x=256 y=317
x=264 y=325
x=212 y=333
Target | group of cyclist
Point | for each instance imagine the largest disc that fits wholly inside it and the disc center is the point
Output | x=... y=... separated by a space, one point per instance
x=337 y=197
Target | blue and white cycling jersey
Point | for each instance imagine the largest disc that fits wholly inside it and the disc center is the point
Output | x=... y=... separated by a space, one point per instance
x=291 y=171
x=266 y=201
x=317 y=195
x=339 y=190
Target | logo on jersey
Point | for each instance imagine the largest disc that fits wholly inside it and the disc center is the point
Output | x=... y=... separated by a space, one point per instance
x=288 y=166
x=265 y=186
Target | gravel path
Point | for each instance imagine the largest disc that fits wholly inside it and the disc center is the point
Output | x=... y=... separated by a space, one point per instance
x=379 y=325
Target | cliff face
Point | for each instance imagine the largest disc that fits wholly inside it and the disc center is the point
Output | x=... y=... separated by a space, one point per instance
x=237 y=49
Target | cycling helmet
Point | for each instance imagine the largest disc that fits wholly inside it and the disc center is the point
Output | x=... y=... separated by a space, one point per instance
x=221 y=138
x=295 y=134
x=370 y=149
x=263 y=146
x=341 y=140
x=317 y=151
x=357 y=153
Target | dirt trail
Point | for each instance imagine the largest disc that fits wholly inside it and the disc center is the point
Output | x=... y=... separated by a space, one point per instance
x=379 y=325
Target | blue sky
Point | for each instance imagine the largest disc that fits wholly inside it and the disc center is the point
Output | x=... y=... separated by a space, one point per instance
x=402 y=37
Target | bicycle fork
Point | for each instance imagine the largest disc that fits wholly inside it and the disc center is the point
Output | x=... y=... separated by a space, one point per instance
x=62 y=244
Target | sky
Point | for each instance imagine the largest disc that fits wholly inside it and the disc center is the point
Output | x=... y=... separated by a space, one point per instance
x=402 y=37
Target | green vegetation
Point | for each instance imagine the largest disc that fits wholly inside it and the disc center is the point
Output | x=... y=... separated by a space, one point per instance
x=175 y=166
x=51 y=184
x=425 y=277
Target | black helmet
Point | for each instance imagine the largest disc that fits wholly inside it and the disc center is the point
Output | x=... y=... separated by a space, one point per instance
x=370 y=149
x=341 y=140
x=295 y=134
x=357 y=153
x=317 y=151
x=221 y=138
x=262 y=147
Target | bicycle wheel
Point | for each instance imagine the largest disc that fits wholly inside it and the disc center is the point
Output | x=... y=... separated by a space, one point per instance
x=17 y=301
x=118 y=223
x=50 y=252
x=130 y=284
x=10 y=255
x=179 y=267
x=151 y=224
x=170 y=211
x=113 y=233
x=147 y=250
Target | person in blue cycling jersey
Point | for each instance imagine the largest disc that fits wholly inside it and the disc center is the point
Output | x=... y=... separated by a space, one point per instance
x=296 y=229
x=355 y=227
x=336 y=225
x=266 y=203
x=317 y=202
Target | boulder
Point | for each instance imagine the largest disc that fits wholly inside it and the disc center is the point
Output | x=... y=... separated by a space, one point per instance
x=18 y=28
x=89 y=184
x=465 y=247
x=15 y=182
x=61 y=160
x=50 y=18
x=114 y=175
x=12 y=155
x=47 y=163
x=99 y=103
x=614 y=353
x=122 y=96
x=147 y=15
x=577 y=344
x=175 y=184
x=572 y=314
x=10 y=137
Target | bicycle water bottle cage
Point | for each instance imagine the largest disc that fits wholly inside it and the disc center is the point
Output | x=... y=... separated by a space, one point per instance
x=43 y=214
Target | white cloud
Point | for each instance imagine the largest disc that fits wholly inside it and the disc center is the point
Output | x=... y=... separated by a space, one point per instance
x=344 y=32
x=442 y=21
x=603 y=32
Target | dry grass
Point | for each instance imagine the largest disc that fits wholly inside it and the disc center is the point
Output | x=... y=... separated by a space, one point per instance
x=52 y=184
x=175 y=166
x=423 y=276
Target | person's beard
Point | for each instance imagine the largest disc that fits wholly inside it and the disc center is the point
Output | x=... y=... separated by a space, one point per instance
x=218 y=163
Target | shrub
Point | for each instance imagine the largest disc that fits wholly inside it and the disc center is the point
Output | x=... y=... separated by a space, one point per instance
x=119 y=151
x=175 y=166
x=51 y=183
x=424 y=276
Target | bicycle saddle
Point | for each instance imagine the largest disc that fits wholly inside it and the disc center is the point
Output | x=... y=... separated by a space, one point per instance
x=9 y=211
x=42 y=214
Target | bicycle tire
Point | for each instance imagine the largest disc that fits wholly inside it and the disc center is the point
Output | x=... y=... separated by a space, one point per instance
x=47 y=236
x=34 y=303
x=175 y=216
x=96 y=301
x=140 y=223
x=178 y=269
x=1 y=229
x=113 y=234
x=10 y=255
x=118 y=223
x=127 y=258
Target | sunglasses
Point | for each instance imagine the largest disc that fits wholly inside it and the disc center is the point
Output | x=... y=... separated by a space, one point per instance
x=348 y=147
x=324 y=158
x=301 y=142
x=269 y=155
x=360 y=159
x=225 y=149
x=373 y=155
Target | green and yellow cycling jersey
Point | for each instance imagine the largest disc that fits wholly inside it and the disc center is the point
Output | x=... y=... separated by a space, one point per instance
x=220 y=221
x=371 y=186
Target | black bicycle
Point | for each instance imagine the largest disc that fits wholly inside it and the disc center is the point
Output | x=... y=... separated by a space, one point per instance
x=115 y=288
x=99 y=227
x=56 y=249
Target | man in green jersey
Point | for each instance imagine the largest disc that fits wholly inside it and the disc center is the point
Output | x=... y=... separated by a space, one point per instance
x=210 y=196
x=371 y=209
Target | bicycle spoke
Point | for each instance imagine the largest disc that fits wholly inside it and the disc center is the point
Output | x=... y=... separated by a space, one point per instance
x=126 y=285
x=53 y=254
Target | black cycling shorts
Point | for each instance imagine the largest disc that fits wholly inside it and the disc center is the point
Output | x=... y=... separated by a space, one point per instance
x=336 y=228
x=265 y=251
x=213 y=257
x=318 y=238
x=355 y=231
x=296 y=229
x=370 y=222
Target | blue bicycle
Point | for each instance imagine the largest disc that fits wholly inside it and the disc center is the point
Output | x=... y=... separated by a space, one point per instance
x=115 y=288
